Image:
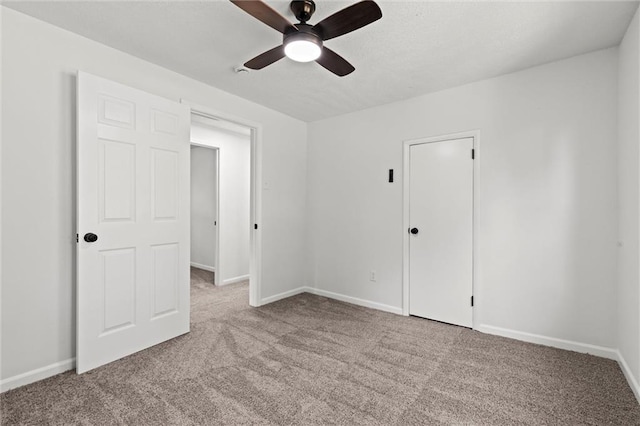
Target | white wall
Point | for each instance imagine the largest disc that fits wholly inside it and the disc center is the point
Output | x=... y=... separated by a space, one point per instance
x=39 y=63
x=1 y=235
x=628 y=309
x=547 y=197
x=235 y=173
x=204 y=197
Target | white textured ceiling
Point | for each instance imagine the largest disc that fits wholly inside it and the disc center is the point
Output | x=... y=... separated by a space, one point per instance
x=416 y=48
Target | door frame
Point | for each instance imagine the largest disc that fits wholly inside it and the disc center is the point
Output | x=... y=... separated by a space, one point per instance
x=217 y=275
x=475 y=281
x=255 y=196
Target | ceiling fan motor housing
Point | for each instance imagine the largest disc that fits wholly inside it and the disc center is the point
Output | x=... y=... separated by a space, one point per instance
x=305 y=33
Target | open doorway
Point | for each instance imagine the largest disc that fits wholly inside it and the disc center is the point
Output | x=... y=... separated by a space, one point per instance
x=204 y=213
x=221 y=176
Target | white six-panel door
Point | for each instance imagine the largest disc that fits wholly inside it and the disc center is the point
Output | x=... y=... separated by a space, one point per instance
x=441 y=217
x=133 y=194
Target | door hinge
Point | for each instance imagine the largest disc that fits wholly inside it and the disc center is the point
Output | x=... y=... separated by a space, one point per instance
x=473 y=154
x=472 y=301
x=255 y=226
x=77 y=238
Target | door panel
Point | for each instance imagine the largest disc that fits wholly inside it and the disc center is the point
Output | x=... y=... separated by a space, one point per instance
x=165 y=279
x=441 y=253
x=133 y=192
x=118 y=285
x=117 y=174
x=164 y=182
x=116 y=112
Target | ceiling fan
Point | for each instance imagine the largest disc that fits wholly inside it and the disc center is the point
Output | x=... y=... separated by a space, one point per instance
x=303 y=42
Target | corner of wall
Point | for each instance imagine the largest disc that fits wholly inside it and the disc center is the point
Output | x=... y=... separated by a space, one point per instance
x=1 y=83
x=628 y=265
x=628 y=374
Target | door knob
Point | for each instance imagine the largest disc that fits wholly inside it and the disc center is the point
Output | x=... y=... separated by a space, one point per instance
x=414 y=231
x=90 y=238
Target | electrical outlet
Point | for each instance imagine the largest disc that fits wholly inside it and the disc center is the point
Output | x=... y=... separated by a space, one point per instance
x=372 y=276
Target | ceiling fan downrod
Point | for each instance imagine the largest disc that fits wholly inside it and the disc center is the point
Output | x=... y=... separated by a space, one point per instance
x=303 y=9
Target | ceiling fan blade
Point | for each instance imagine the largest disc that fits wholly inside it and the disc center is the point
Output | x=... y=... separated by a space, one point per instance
x=334 y=62
x=263 y=12
x=266 y=58
x=349 y=19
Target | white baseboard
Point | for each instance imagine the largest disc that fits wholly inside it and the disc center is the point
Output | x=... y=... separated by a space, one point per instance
x=283 y=295
x=355 y=300
x=633 y=383
x=37 y=374
x=235 y=280
x=332 y=295
x=568 y=345
x=204 y=267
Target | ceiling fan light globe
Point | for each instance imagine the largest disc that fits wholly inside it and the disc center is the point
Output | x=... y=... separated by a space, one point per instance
x=302 y=50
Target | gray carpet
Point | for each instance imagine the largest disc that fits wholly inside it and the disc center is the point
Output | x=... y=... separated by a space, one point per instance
x=311 y=360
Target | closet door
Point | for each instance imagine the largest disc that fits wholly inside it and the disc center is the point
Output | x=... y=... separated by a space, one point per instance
x=441 y=233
